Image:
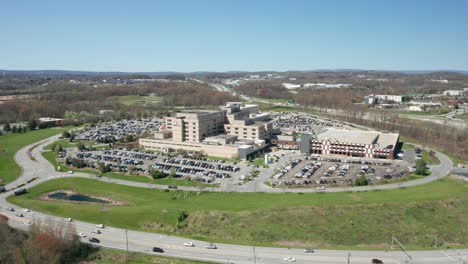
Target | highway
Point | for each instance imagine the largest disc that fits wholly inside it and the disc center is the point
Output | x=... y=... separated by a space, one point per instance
x=37 y=170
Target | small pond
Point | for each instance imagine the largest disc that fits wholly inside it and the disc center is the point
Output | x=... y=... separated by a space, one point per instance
x=75 y=197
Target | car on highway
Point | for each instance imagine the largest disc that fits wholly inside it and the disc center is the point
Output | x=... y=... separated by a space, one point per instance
x=100 y=226
x=377 y=261
x=158 y=250
x=26 y=210
x=189 y=244
x=81 y=234
x=309 y=250
x=68 y=219
x=11 y=209
x=20 y=215
x=94 y=240
x=172 y=187
x=289 y=259
x=211 y=246
x=96 y=231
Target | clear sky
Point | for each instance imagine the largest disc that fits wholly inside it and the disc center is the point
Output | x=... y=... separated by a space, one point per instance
x=227 y=35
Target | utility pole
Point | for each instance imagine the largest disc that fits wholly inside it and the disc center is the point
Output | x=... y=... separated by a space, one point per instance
x=255 y=257
x=126 y=238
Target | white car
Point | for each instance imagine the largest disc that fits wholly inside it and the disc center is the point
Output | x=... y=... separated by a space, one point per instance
x=67 y=219
x=100 y=226
x=189 y=244
x=321 y=188
x=11 y=209
x=289 y=259
x=26 y=210
x=28 y=223
x=96 y=231
x=70 y=172
x=81 y=234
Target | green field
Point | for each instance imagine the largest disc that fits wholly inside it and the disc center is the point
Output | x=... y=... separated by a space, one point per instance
x=130 y=100
x=360 y=220
x=10 y=143
x=105 y=256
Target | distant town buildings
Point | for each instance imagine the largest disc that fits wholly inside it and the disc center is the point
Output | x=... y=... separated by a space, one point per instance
x=456 y=92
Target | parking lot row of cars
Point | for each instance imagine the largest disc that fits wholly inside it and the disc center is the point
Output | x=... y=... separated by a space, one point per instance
x=201 y=164
x=120 y=129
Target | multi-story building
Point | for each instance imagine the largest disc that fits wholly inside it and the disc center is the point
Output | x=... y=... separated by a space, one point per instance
x=196 y=125
x=237 y=130
x=351 y=143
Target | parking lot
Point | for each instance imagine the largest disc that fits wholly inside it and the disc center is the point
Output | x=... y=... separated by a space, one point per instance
x=120 y=129
x=187 y=167
x=320 y=171
x=302 y=122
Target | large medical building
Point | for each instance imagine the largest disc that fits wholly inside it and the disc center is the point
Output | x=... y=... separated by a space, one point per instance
x=235 y=131
x=351 y=143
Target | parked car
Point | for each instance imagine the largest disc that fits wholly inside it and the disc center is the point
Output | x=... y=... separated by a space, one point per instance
x=28 y=223
x=26 y=210
x=158 y=250
x=81 y=234
x=94 y=240
x=20 y=215
x=172 y=187
x=96 y=231
x=189 y=244
x=100 y=226
x=11 y=209
x=377 y=261
x=68 y=219
x=2 y=189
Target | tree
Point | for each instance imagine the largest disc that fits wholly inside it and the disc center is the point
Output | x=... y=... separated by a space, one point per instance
x=72 y=137
x=361 y=181
x=32 y=124
x=58 y=148
x=81 y=146
x=13 y=129
x=7 y=127
x=66 y=134
x=103 y=168
x=421 y=167
x=157 y=174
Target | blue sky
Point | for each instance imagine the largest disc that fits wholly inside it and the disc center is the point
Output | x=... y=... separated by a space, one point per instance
x=231 y=35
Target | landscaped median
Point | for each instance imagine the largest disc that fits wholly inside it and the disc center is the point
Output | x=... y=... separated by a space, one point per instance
x=353 y=220
x=11 y=143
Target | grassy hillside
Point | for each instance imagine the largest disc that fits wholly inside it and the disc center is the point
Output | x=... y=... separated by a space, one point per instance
x=11 y=143
x=326 y=220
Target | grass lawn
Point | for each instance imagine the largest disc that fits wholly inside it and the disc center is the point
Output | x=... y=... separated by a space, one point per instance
x=105 y=256
x=11 y=143
x=130 y=100
x=430 y=159
x=407 y=146
x=360 y=220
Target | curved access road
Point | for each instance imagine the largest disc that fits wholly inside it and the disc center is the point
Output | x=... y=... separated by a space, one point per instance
x=38 y=169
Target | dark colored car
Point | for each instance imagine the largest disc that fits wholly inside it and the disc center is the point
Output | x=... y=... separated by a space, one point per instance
x=377 y=261
x=158 y=250
x=20 y=192
x=94 y=240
